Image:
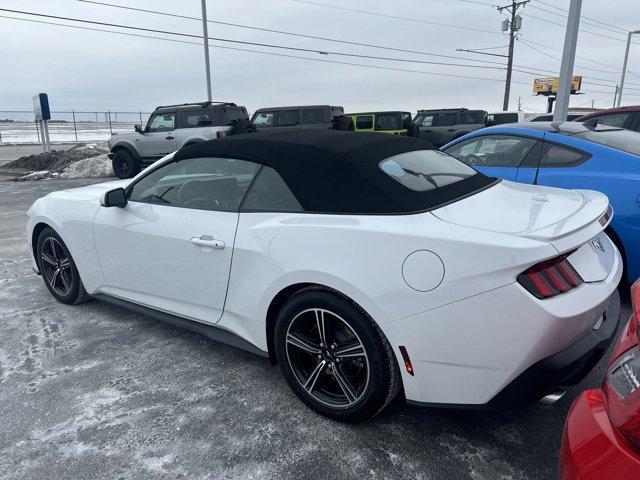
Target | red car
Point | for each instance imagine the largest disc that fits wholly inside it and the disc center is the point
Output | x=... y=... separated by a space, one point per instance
x=602 y=433
x=622 y=117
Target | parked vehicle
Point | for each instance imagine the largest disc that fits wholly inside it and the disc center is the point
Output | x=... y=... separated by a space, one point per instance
x=622 y=117
x=601 y=435
x=568 y=155
x=500 y=118
x=442 y=126
x=169 y=128
x=340 y=243
x=277 y=119
x=548 y=117
x=396 y=123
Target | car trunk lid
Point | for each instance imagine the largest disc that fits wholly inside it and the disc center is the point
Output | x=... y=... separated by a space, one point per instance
x=570 y=220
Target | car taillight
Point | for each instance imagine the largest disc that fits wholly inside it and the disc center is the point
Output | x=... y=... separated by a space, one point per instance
x=622 y=382
x=550 y=278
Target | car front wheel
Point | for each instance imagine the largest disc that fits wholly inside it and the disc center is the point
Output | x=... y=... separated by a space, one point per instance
x=334 y=356
x=124 y=165
x=58 y=269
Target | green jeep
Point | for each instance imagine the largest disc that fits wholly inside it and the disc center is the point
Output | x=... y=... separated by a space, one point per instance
x=396 y=123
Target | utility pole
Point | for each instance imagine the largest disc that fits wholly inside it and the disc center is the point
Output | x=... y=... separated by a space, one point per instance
x=624 y=65
x=615 y=95
x=513 y=25
x=205 y=35
x=568 y=58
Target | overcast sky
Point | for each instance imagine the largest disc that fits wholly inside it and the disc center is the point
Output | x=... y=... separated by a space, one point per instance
x=96 y=70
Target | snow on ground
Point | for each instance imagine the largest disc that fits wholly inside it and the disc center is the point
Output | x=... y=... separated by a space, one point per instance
x=82 y=161
x=92 y=167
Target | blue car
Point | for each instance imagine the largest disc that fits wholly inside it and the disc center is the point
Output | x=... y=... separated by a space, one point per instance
x=567 y=155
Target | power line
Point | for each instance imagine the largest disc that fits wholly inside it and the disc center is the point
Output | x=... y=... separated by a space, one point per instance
x=379 y=67
x=282 y=32
x=578 y=66
x=250 y=43
x=581 y=58
x=257 y=44
x=584 y=17
x=583 y=20
x=395 y=17
x=582 y=30
x=477 y=3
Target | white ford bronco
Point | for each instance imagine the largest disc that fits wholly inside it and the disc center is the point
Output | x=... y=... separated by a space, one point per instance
x=172 y=126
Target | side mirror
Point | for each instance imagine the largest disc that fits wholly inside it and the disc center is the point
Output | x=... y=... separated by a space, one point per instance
x=114 y=198
x=138 y=128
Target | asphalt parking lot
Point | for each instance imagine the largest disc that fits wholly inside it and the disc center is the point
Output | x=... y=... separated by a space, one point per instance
x=94 y=391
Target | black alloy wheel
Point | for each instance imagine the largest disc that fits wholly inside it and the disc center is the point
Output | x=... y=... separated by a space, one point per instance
x=58 y=269
x=334 y=356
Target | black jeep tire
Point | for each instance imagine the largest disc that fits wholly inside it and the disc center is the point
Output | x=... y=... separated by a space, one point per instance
x=58 y=269
x=350 y=377
x=124 y=164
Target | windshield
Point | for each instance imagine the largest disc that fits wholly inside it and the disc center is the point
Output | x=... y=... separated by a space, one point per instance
x=625 y=140
x=424 y=170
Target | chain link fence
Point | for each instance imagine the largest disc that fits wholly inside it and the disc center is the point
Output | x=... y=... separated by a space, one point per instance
x=18 y=126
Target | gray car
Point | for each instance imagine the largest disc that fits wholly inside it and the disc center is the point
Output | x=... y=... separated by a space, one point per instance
x=443 y=125
x=169 y=128
x=296 y=117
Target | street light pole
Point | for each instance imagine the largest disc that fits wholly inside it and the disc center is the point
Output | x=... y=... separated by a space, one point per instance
x=624 y=65
x=568 y=58
x=205 y=35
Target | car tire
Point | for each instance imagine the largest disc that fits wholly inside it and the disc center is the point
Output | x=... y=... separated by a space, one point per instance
x=124 y=164
x=58 y=269
x=348 y=373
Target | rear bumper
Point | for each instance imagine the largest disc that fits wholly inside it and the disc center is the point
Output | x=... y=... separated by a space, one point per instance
x=566 y=367
x=591 y=449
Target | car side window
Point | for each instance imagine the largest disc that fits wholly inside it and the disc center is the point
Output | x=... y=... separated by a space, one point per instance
x=493 y=150
x=446 y=119
x=311 y=116
x=162 y=122
x=389 y=122
x=197 y=119
x=205 y=183
x=426 y=121
x=264 y=119
x=288 y=118
x=471 y=118
x=269 y=193
x=613 y=120
x=364 y=122
x=557 y=156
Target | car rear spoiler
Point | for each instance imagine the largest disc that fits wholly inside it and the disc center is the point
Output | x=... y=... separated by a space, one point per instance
x=594 y=216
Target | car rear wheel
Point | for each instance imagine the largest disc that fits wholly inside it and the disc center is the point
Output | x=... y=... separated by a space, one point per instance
x=124 y=165
x=58 y=269
x=334 y=356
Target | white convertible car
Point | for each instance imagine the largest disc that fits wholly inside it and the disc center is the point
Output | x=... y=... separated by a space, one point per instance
x=363 y=264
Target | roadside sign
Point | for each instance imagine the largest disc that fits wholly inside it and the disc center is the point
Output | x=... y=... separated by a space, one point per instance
x=41 y=107
x=549 y=85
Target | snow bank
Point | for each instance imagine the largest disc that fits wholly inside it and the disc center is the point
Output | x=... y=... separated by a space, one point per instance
x=93 y=167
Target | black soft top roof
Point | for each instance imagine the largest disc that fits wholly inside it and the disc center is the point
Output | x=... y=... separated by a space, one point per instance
x=336 y=171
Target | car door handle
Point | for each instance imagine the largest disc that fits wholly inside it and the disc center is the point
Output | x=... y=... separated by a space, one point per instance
x=207 y=241
x=169 y=137
x=451 y=130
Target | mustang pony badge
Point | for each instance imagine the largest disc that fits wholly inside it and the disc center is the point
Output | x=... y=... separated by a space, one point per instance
x=597 y=244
